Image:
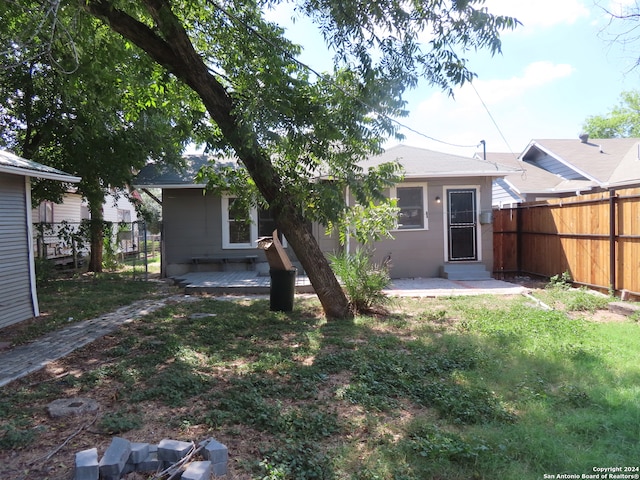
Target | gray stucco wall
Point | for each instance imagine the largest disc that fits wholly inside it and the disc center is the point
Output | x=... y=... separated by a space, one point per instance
x=422 y=253
x=193 y=228
x=16 y=302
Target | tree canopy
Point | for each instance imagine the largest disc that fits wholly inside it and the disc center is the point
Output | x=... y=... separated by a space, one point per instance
x=74 y=96
x=300 y=133
x=623 y=121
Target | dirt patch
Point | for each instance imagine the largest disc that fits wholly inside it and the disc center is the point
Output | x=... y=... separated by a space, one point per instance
x=599 y=316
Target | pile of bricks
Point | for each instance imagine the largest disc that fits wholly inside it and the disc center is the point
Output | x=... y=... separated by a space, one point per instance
x=123 y=457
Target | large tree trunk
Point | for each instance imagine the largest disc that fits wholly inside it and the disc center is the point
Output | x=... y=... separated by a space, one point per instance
x=96 y=233
x=175 y=52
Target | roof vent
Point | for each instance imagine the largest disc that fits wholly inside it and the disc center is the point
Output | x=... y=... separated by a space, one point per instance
x=584 y=137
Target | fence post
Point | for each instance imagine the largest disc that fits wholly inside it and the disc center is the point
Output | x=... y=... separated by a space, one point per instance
x=146 y=258
x=612 y=240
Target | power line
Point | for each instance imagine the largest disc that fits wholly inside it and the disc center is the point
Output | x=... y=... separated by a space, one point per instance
x=492 y=119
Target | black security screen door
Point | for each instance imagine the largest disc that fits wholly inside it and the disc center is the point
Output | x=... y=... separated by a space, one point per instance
x=462 y=225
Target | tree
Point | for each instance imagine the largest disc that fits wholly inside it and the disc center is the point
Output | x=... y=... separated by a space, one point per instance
x=293 y=128
x=286 y=127
x=623 y=121
x=623 y=27
x=84 y=105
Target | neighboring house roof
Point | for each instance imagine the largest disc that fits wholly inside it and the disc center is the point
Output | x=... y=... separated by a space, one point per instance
x=553 y=167
x=421 y=163
x=11 y=163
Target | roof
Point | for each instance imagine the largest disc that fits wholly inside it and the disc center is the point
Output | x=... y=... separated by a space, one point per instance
x=605 y=161
x=156 y=175
x=13 y=164
x=596 y=163
x=417 y=163
x=423 y=163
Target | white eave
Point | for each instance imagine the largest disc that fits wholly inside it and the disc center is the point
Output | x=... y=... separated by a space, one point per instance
x=62 y=177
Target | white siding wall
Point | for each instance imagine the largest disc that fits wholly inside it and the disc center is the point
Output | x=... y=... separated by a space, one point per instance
x=16 y=301
x=111 y=207
x=68 y=210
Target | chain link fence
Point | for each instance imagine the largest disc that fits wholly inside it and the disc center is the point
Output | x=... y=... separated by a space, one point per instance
x=127 y=246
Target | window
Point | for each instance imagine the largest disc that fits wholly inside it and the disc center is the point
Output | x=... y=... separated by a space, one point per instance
x=266 y=223
x=236 y=229
x=124 y=216
x=412 y=202
x=46 y=212
x=237 y=232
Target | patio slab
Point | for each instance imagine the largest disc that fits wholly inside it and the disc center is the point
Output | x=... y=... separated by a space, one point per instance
x=249 y=282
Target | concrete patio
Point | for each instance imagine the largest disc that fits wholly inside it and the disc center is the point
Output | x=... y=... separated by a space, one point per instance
x=252 y=283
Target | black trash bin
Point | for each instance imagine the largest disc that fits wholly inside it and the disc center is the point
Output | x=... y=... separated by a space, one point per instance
x=283 y=286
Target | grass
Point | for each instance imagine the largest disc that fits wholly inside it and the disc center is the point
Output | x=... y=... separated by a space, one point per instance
x=65 y=300
x=456 y=388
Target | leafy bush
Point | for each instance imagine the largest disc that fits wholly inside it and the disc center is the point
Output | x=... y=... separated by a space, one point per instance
x=363 y=280
x=561 y=280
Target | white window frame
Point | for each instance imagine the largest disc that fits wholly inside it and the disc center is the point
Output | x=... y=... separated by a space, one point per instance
x=253 y=229
x=393 y=193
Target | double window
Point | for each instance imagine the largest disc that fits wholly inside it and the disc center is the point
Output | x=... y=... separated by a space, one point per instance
x=242 y=227
x=412 y=202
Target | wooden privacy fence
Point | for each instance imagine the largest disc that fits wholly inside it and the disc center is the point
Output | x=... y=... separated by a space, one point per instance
x=596 y=238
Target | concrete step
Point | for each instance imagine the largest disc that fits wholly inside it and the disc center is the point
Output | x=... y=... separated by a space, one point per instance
x=465 y=271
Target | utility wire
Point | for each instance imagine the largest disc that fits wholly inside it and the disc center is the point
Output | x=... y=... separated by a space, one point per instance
x=492 y=119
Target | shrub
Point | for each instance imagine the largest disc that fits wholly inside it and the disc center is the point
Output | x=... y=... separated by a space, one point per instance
x=363 y=280
x=561 y=280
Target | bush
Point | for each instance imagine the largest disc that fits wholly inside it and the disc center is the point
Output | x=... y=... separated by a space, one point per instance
x=45 y=270
x=363 y=280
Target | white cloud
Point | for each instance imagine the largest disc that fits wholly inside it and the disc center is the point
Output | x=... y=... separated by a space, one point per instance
x=540 y=13
x=464 y=120
x=500 y=90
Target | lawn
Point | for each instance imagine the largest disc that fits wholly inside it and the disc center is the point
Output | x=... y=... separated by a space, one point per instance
x=453 y=388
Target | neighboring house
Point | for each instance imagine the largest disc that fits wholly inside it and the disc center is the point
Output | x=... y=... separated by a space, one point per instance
x=18 y=297
x=444 y=222
x=567 y=167
x=73 y=209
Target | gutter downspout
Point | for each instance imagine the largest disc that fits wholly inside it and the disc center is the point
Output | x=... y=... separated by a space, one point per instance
x=32 y=265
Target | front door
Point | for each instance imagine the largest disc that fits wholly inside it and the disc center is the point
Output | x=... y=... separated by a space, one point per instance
x=462 y=224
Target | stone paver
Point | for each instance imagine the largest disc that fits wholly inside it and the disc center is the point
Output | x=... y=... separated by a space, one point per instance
x=22 y=360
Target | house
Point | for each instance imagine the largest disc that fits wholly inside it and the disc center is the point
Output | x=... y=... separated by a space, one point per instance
x=18 y=296
x=71 y=211
x=556 y=168
x=444 y=223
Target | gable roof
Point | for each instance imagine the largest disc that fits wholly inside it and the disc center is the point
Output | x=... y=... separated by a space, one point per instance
x=560 y=167
x=13 y=164
x=423 y=163
x=605 y=161
x=417 y=163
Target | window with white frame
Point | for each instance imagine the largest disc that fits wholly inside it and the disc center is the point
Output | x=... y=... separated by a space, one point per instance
x=242 y=228
x=412 y=203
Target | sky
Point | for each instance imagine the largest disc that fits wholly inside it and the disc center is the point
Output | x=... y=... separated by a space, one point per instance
x=559 y=67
